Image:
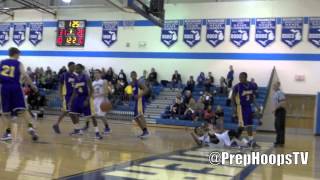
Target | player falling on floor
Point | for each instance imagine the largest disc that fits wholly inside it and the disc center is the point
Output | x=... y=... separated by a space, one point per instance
x=12 y=73
x=65 y=89
x=243 y=98
x=81 y=102
x=100 y=88
x=139 y=91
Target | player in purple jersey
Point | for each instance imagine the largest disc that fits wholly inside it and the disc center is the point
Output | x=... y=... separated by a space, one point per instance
x=139 y=91
x=12 y=75
x=81 y=102
x=66 y=84
x=242 y=98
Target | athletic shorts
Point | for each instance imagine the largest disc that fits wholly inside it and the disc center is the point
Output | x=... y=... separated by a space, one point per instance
x=244 y=114
x=66 y=103
x=97 y=102
x=12 y=98
x=78 y=107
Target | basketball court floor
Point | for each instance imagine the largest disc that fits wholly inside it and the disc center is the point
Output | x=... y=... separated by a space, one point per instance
x=167 y=154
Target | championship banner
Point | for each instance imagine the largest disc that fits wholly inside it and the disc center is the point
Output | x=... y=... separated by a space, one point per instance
x=4 y=33
x=265 y=31
x=192 y=32
x=314 y=31
x=291 y=33
x=215 y=31
x=169 y=33
x=35 y=33
x=240 y=31
x=19 y=33
x=109 y=32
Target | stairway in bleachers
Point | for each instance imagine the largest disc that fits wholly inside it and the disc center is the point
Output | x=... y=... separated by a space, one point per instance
x=156 y=107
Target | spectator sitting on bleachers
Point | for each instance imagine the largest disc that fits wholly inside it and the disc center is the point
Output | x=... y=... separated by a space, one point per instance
x=219 y=118
x=207 y=99
x=122 y=77
x=178 y=109
x=176 y=80
x=201 y=79
x=198 y=110
x=209 y=82
x=153 y=77
x=208 y=115
x=190 y=85
x=143 y=78
x=110 y=76
x=188 y=100
x=255 y=87
x=223 y=86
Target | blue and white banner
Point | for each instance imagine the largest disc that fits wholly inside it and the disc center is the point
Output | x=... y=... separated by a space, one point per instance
x=19 y=33
x=109 y=32
x=291 y=33
x=240 y=31
x=4 y=33
x=169 y=33
x=314 y=31
x=215 y=31
x=192 y=32
x=35 y=33
x=265 y=31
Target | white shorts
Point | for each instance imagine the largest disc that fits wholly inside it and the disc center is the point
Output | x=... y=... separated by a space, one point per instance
x=97 y=102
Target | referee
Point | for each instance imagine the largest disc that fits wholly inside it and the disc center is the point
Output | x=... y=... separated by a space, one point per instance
x=279 y=101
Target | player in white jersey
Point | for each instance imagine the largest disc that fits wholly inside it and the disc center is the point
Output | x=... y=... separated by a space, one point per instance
x=100 y=93
x=205 y=136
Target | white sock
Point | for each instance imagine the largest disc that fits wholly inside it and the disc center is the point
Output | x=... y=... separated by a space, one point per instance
x=96 y=129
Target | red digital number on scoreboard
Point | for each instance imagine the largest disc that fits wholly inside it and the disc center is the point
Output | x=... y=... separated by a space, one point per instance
x=71 y=33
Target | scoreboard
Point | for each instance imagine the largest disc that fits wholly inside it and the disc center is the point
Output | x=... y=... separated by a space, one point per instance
x=71 y=33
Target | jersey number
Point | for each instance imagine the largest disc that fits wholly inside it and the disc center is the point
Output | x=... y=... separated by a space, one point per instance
x=8 y=71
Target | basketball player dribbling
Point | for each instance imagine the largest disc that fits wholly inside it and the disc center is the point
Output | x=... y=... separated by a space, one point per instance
x=12 y=73
x=139 y=90
x=81 y=102
x=243 y=98
x=100 y=95
x=65 y=89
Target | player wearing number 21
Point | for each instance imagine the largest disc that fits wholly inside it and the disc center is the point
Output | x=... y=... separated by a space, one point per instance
x=12 y=75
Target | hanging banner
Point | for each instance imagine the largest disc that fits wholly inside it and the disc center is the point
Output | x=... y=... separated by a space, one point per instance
x=35 y=33
x=215 y=31
x=291 y=33
x=265 y=31
x=314 y=31
x=109 y=32
x=192 y=32
x=169 y=33
x=19 y=33
x=4 y=33
x=240 y=31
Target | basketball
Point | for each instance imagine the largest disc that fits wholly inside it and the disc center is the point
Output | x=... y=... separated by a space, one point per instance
x=128 y=90
x=105 y=106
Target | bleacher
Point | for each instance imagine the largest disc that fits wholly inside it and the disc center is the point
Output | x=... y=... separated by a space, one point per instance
x=229 y=122
x=163 y=98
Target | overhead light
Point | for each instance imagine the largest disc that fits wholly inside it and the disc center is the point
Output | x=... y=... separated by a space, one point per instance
x=66 y=1
x=5 y=8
